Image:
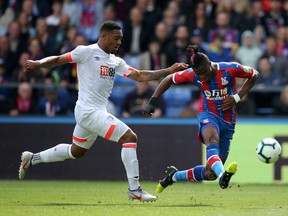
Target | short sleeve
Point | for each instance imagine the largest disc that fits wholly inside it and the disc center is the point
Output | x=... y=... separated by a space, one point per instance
x=80 y=53
x=237 y=70
x=122 y=68
x=184 y=76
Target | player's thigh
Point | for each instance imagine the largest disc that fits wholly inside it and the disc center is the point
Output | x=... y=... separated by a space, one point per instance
x=106 y=125
x=83 y=137
x=208 y=126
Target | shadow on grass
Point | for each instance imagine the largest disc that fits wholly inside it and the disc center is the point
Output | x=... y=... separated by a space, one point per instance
x=120 y=204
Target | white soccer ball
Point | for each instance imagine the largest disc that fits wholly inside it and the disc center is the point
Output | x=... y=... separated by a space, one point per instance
x=268 y=150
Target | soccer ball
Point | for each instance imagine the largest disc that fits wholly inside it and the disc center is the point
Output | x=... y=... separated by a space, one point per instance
x=268 y=150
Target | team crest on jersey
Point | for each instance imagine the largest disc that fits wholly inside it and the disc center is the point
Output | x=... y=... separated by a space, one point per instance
x=224 y=80
x=205 y=121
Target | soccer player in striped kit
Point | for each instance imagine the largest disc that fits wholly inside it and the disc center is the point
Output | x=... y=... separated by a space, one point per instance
x=97 y=67
x=217 y=116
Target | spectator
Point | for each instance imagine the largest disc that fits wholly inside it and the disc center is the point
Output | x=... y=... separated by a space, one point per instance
x=18 y=74
x=109 y=13
x=210 y=8
x=7 y=57
x=73 y=9
x=274 y=18
x=236 y=20
x=248 y=53
x=53 y=19
x=198 y=39
x=280 y=104
x=281 y=41
x=26 y=6
x=217 y=52
x=70 y=36
x=229 y=35
x=36 y=53
x=254 y=19
x=51 y=105
x=162 y=35
x=23 y=102
x=48 y=43
x=35 y=48
x=279 y=63
x=60 y=31
x=199 y=19
x=4 y=91
x=17 y=40
x=176 y=49
x=121 y=8
x=152 y=59
x=6 y=16
x=170 y=18
x=91 y=19
x=152 y=15
x=136 y=37
x=285 y=7
x=25 y=26
x=34 y=9
x=268 y=79
x=135 y=101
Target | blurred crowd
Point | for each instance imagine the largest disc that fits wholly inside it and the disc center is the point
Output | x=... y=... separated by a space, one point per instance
x=156 y=35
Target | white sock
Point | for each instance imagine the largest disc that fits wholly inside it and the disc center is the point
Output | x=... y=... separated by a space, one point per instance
x=129 y=158
x=60 y=152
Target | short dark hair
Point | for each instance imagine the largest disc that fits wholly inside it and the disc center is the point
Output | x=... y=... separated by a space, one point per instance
x=109 y=26
x=197 y=57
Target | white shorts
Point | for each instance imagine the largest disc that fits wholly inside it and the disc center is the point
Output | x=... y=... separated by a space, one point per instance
x=91 y=124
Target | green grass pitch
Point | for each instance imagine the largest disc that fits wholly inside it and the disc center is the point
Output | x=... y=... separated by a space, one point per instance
x=108 y=198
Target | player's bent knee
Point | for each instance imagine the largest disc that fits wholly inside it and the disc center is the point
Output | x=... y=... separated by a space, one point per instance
x=77 y=152
x=129 y=136
x=211 y=176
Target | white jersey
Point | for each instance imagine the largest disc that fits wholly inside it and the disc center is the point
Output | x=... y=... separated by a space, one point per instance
x=96 y=71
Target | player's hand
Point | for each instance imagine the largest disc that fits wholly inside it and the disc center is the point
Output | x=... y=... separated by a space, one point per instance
x=228 y=103
x=149 y=109
x=30 y=65
x=178 y=67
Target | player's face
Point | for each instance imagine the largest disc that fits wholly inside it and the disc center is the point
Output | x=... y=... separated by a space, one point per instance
x=114 y=40
x=205 y=72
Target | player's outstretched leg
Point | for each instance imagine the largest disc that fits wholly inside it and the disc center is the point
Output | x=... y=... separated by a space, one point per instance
x=171 y=170
x=141 y=195
x=226 y=176
x=25 y=163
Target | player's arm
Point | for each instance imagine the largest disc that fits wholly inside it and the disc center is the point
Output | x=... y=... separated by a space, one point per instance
x=232 y=100
x=248 y=84
x=161 y=88
x=47 y=62
x=147 y=75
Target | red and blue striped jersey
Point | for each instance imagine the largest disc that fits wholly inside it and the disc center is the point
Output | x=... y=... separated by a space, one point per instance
x=215 y=91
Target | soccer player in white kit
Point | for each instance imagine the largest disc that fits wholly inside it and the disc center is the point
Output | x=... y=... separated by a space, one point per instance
x=96 y=69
